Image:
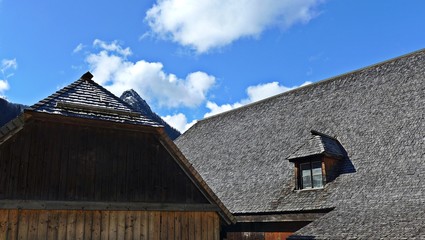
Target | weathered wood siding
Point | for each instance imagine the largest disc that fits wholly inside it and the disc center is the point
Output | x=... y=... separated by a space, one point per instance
x=54 y=161
x=77 y=224
x=258 y=235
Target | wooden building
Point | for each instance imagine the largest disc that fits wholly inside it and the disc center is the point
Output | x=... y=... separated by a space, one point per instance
x=81 y=164
x=342 y=158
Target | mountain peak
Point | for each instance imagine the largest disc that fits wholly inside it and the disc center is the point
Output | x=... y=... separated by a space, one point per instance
x=139 y=104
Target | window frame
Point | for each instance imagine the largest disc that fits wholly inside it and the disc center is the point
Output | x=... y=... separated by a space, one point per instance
x=299 y=175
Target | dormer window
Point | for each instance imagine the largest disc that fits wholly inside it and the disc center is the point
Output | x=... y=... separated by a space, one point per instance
x=311 y=175
x=316 y=161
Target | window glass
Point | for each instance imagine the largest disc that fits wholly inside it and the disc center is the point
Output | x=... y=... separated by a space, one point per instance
x=306 y=175
x=317 y=174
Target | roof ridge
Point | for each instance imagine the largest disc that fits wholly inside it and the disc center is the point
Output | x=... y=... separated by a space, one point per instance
x=314 y=84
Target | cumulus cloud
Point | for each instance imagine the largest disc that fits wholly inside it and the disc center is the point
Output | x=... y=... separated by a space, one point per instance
x=6 y=65
x=255 y=93
x=179 y=122
x=112 y=69
x=207 y=24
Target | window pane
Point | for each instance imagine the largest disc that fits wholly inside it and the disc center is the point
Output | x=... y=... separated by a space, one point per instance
x=317 y=174
x=306 y=175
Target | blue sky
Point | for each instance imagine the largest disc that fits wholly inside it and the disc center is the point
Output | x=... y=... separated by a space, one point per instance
x=190 y=59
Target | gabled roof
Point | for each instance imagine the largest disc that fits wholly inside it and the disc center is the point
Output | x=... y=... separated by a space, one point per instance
x=86 y=99
x=319 y=144
x=378 y=114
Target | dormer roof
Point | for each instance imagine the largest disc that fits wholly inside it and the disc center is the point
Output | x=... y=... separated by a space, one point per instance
x=318 y=144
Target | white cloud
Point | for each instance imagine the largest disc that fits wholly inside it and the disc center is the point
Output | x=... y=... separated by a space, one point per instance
x=112 y=69
x=78 y=48
x=203 y=25
x=179 y=122
x=4 y=85
x=112 y=47
x=216 y=109
x=255 y=93
x=6 y=64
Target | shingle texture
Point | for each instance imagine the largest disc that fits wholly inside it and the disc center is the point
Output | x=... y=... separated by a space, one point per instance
x=378 y=116
x=319 y=144
x=92 y=101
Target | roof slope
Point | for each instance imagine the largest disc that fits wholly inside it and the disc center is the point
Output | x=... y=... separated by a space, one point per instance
x=86 y=99
x=377 y=114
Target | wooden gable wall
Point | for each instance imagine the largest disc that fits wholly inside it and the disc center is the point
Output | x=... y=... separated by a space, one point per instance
x=57 y=161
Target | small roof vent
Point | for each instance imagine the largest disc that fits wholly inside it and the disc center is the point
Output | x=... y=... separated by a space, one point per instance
x=87 y=76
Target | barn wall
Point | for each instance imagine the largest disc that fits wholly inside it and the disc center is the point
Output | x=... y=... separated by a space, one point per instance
x=77 y=224
x=54 y=161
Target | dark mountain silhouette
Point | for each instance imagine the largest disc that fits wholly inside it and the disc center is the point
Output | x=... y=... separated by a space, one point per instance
x=132 y=97
x=9 y=111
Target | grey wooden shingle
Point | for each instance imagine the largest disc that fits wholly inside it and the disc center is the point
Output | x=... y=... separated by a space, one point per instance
x=378 y=116
x=85 y=98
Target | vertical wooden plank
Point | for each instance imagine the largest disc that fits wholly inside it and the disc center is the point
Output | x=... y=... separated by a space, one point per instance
x=136 y=224
x=177 y=225
x=216 y=227
x=154 y=225
x=23 y=225
x=64 y=158
x=113 y=225
x=25 y=156
x=204 y=227
x=70 y=225
x=164 y=225
x=104 y=227
x=192 y=226
x=171 y=225
x=88 y=224
x=79 y=225
x=4 y=164
x=144 y=225
x=62 y=223
x=4 y=215
x=13 y=171
x=96 y=225
x=129 y=224
x=185 y=225
x=198 y=226
x=13 y=219
x=210 y=225
x=121 y=224
x=72 y=166
x=53 y=224
x=55 y=162
x=42 y=224
x=32 y=228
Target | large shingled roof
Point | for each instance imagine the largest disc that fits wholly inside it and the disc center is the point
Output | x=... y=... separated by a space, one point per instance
x=377 y=114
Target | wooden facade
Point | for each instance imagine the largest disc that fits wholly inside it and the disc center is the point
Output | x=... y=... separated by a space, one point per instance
x=64 y=178
x=81 y=224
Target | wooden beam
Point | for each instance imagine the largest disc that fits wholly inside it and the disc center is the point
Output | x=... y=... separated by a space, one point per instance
x=95 y=109
x=83 y=205
x=283 y=217
x=57 y=118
